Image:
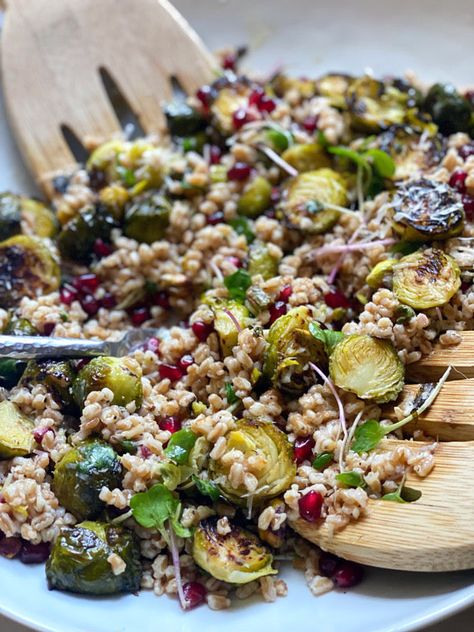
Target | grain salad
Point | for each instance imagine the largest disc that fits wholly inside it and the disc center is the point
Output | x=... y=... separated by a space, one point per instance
x=295 y=243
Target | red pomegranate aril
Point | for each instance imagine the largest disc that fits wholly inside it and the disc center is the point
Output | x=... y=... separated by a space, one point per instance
x=261 y=101
x=347 y=575
x=310 y=506
x=255 y=96
x=310 y=124
x=202 y=330
x=215 y=218
x=285 y=293
x=68 y=294
x=108 y=301
x=153 y=345
x=194 y=594
x=34 y=553
x=335 y=299
x=241 y=117
x=458 y=180
x=215 y=154
x=10 y=547
x=276 y=310
x=205 y=94
x=229 y=61
x=170 y=424
x=185 y=361
x=102 y=249
x=468 y=203
x=161 y=299
x=170 y=372
x=145 y=452
x=38 y=433
x=240 y=171
x=90 y=305
x=87 y=283
x=235 y=261
x=466 y=150
x=328 y=564
x=303 y=449
x=48 y=328
x=140 y=315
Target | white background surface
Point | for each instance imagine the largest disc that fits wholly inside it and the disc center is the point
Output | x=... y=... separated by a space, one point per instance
x=310 y=36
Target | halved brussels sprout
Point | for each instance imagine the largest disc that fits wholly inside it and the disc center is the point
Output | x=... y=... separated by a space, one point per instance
x=334 y=86
x=368 y=367
x=16 y=432
x=147 y=218
x=307 y=194
x=79 y=560
x=10 y=215
x=237 y=557
x=426 y=278
x=104 y=157
x=183 y=120
x=450 y=111
x=225 y=313
x=261 y=261
x=228 y=101
x=375 y=105
x=27 y=268
x=20 y=327
x=14 y=208
x=380 y=272
x=427 y=210
x=274 y=466
x=76 y=239
x=108 y=372
x=282 y=84
x=290 y=348
x=256 y=198
x=11 y=370
x=307 y=157
x=57 y=376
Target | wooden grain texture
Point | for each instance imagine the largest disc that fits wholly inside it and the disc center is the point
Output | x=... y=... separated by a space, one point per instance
x=432 y=367
x=436 y=533
x=51 y=53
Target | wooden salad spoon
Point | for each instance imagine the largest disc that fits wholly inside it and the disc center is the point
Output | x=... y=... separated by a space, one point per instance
x=54 y=56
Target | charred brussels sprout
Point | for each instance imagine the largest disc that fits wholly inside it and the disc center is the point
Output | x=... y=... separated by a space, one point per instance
x=307 y=197
x=11 y=370
x=377 y=276
x=307 y=157
x=238 y=557
x=104 y=158
x=183 y=120
x=27 y=268
x=375 y=105
x=79 y=560
x=10 y=216
x=427 y=210
x=450 y=111
x=229 y=315
x=412 y=153
x=425 y=279
x=76 y=239
x=262 y=261
x=368 y=367
x=334 y=86
x=228 y=101
x=256 y=198
x=290 y=348
x=16 y=432
x=117 y=374
x=147 y=218
x=14 y=208
x=57 y=376
x=80 y=475
x=273 y=469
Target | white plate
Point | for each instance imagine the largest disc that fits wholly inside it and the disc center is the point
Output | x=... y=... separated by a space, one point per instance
x=310 y=36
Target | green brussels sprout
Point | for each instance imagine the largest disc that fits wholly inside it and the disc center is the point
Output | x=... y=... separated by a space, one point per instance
x=227 y=101
x=426 y=278
x=374 y=105
x=379 y=272
x=256 y=198
x=20 y=327
x=261 y=261
x=79 y=560
x=11 y=370
x=334 y=86
x=225 y=312
x=290 y=348
x=57 y=375
x=27 y=268
x=16 y=432
x=427 y=210
x=274 y=470
x=39 y=217
x=282 y=84
x=306 y=197
x=104 y=157
x=80 y=475
x=10 y=215
x=307 y=157
x=113 y=373
x=147 y=218
x=183 y=120
x=77 y=237
x=450 y=111
x=368 y=367
x=238 y=557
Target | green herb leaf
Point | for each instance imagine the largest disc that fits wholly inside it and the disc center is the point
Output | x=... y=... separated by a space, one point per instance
x=350 y=154
x=393 y=497
x=367 y=436
x=279 y=138
x=241 y=225
x=404 y=313
x=323 y=460
x=126 y=175
x=181 y=532
x=350 y=479
x=237 y=284
x=207 y=488
x=405 y=247
x=328 y=337
x=151 y=509
x=403 y=495
x=383 y=164
x=322 y=140
x=180 y=445
x=230 y=393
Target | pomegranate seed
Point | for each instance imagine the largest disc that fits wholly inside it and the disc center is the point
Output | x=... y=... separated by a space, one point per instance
x=275 y=195
x=215 y=218
x=310 y=124
x=215 y=155
x=229 y=62
x=161 y=299
x=255 y=96
x=101 y=249
x=347 y=575
x=303 y=449
x=153 y=344
x=336 y=299
x=39 y=433
x=10 y=547
x=240 y=171
x=261 y=101
x=241 y=117
x=206 y=95
x=171 y=424
x=170 y=371
x=310 y=506
x=34 y=553
x=194 y=594
x=67 y=295
x=140 y=315
x=276 y=310
x=328 y=564
x=145 y=452
x=235 y=261
x=466 y=150
x=87 y=283
x=185 y=361
x=285 y=293
x=202 y=330
x=48 y=329
x=89 y=305
x=108 y=301
x=458 y=180
x=468 y=203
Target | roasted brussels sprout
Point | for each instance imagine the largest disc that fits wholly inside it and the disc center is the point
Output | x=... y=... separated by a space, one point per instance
x=378 y=274
x=11 y=370
x=147 y=218
x=80 y=560
x=225 y=314
x=183 y=120
x=368 y=367
x=290 y=348
x=20 y=327
x=282 y=84
x=450 y=111
x=307 y=157
x=426 y=278
x=16 y=432
x=80 y=475
x=14 y=208
x=307 y=195
x=10 y=215
x=273 y=470
x=113 y=373
x=375 y=105
x=334 y=86
x=27 y=268
x=57 y=376
x=261 y=261
x=104 y=157
x=76 y=239
x=427 y=210
x=228 y=101
x=256 y=198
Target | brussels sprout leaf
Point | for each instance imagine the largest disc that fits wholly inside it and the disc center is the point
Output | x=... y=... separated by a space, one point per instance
x=350 y=479
x=237 y=284
x=180 y=445
x=230 y=393
x=241 y=225
x=151 y=509
x=328 y=337
x=367 y=436
x=207 y=488
x=323 y=460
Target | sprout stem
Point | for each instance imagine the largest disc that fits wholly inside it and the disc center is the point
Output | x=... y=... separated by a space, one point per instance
x=328 y=381
x=122 y=518
x=274 y=157
x=343 y=248
x=347 y=440
x=177 y=568
x=233 y=319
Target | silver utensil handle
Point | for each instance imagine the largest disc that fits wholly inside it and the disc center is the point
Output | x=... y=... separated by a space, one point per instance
x=32 y=347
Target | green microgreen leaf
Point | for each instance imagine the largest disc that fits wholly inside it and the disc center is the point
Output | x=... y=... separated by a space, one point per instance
x=350 y=479
x=241 y=225
x=404 y=313
x=126 y=175
x=322 y=140
x=367 y=436
x=230 y=393
x=328 y=337
x=322 y=461
x=382 y=162
x=237 y=284
x=180 y=445
x=207 y=488
x=279 y=138
x=403 y=495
